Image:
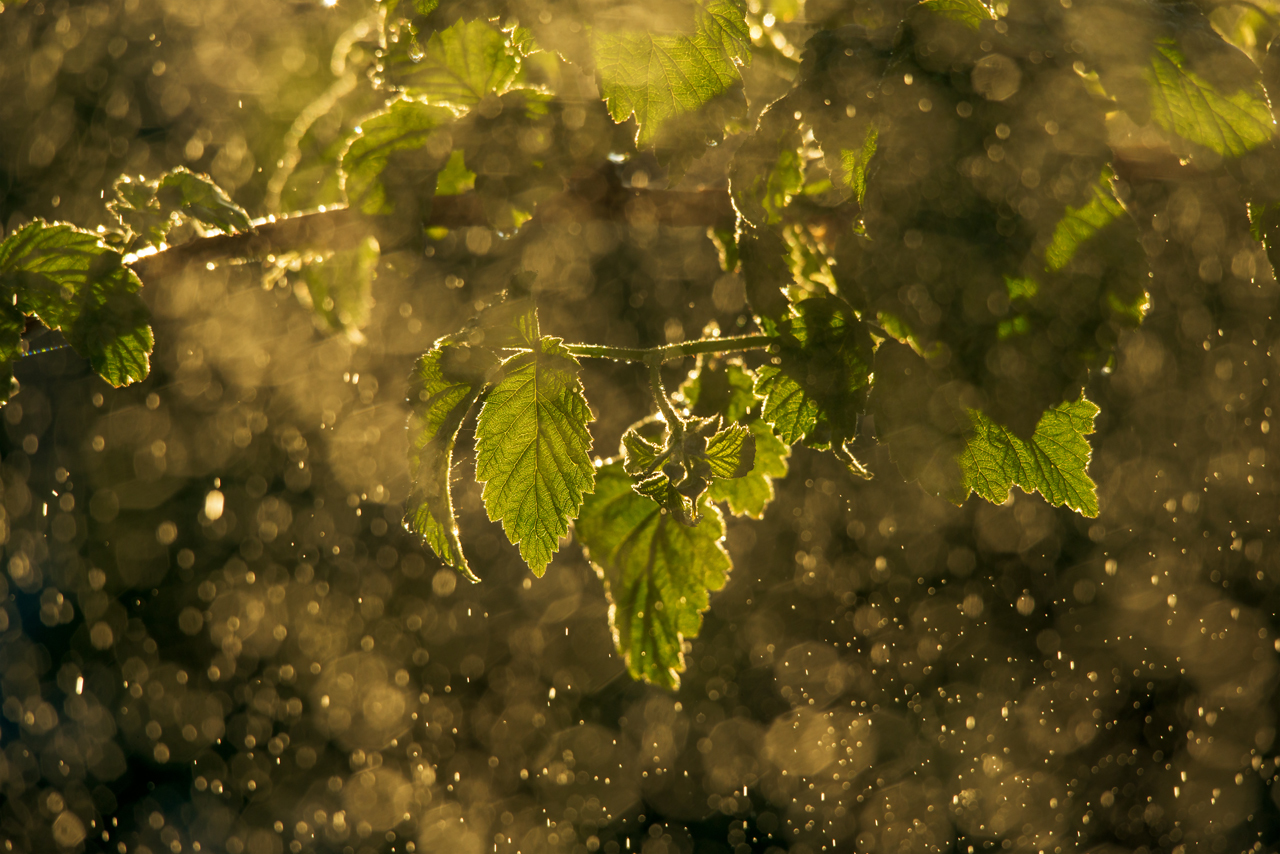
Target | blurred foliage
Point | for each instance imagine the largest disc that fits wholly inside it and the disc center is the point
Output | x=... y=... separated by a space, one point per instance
x=963 y=227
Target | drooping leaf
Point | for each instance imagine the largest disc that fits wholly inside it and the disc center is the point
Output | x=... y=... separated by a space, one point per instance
x=12 y=324
x=341 y=287
x=446 y=382
x=458 y=67
x=532 y=450
x=750 y=494
x=657 y=76
x=1054 y=462
x=820 y=388
x=657 y=573
x=404 y=125
x=69 y=280
x=1186 y=104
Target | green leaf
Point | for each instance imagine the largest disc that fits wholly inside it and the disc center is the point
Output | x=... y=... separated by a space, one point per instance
x=458 y=67
x=731 y=452
x=1053 y=462
x=657 y=77
x=532 y=450
x=199 y=198
x=341 y=287
x=855 y=162
x=403 y=125
x=1186 y=104
x=820 y=388
x=149 y=209
x=446 y=382
x=1078 y=225
x=657 y=573
x=70 y=280
x=750 y=494
x=639 y=455
x=723 y=390
x=12 y=324
x=971 y=13
x=455 y=177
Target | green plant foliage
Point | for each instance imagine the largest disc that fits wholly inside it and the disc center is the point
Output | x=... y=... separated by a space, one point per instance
x=657 y=572
x=447 y=381
x=150 y=209
x=69 y=280
x=750 y=494
x=971 y=13
x=1184 y=103
x=532 y=449
x=340 y=287
x=404 y=125
x=1054 y=462
x=457 y=67
x=820 y=387
x=658 y=76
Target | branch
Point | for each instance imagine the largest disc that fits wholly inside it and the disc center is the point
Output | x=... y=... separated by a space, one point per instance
x=343 y=227
x=670 y=352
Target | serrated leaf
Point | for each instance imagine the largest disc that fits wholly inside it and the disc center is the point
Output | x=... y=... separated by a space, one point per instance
x=971 y=13
x=1184 y=103
x=1054 y=462
x=446 y=382
x=1080 y=224
x=402 y=125
x=70 y=280
x=750 y=494
x=854 y=163
x=659 y=76
x=532 y=450
x=149 y=209
x=198 y=197
x=657 y=573
x=731 y=452
x=820 y=389
x=341 y=287
x=639 y=455
x=458 y=67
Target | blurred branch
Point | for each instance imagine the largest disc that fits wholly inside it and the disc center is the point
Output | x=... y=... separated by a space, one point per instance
x=341 y=226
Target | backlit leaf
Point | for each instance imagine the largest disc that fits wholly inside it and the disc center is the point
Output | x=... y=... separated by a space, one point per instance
x=657 y=573
x=1185 y=103
x=1078 y=225
x=658 y=76
x=446 y=382
x=403 y=125
x=750 y=494
x=458 y=67
x=532 y=450
x=69 y=280
x=1054 y=462
x=149 y=209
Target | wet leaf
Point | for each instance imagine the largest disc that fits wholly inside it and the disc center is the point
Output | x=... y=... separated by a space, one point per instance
x=751 y=493
x=458 y=67
x=404 y=125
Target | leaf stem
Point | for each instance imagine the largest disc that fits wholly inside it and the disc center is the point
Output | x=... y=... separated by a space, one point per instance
x=670 y=352
x=674 y=423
